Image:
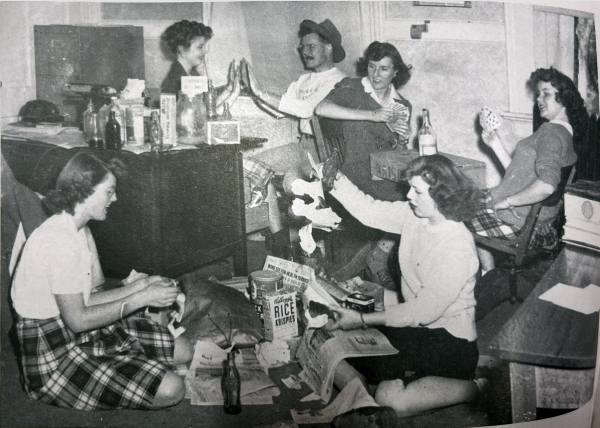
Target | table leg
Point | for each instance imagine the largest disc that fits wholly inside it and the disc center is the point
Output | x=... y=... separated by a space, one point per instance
x=522 y=391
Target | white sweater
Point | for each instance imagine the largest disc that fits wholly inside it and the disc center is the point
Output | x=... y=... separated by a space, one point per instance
x=438 y=264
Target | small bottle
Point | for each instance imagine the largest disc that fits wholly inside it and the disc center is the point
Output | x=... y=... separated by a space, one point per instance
x=120 y=117
x=226 y=113
x=230 y=386
x=103 y=116
x=94 y=138
x=113 y=133
x=211 y=100
x=427 y=137
x=155 y=133
x=87 y=125
x=260 y=191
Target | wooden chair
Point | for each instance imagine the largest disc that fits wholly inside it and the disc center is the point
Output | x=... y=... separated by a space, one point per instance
x=518 y=247
x=325 y=144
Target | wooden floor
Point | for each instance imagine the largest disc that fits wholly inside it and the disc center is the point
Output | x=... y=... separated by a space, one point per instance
x=16 y=410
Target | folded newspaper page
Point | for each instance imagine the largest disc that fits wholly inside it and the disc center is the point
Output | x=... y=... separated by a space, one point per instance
x=321 y=350
x=203 y=379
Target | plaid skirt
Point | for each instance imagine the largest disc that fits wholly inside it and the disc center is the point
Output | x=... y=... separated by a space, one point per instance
x=486 y=222
x=116 y=367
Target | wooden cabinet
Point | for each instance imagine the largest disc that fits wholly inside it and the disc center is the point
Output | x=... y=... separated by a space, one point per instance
x=175 y=212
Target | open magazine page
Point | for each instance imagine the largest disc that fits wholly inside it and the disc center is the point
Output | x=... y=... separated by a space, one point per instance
x=321 y=350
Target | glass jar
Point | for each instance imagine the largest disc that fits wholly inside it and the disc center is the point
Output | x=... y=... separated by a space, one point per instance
x=191 y=120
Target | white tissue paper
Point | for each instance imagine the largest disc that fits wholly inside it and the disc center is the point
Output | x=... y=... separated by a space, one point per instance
x=322 y=218
x=307 y=242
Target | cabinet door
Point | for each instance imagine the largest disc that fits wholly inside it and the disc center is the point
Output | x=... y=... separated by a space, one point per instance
x=201 y=208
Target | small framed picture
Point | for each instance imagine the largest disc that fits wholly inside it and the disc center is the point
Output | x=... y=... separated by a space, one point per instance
x=223 y=132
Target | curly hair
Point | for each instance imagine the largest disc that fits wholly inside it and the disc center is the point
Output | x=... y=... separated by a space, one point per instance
x=183 y=32
x=455 y=195
x=567 y=94
x=78 y=180
x=376 y=51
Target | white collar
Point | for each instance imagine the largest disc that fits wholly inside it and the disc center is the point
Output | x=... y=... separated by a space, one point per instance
x=567 y=125
x=371 y=91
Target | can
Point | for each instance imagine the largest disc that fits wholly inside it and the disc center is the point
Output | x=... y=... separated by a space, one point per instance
x=360 y=302
x=265 y=283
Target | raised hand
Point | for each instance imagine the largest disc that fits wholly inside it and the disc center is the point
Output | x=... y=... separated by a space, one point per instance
x=231 y=76
x=491 y=138
x=244 y=73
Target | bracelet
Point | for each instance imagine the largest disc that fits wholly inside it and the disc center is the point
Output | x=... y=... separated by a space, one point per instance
x=508 y=202
x=122 y=307
x=364 y=324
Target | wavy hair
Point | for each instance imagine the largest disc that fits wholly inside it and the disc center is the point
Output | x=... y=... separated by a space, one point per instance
x=78 y=180
x=376 y=51
x=183 y=32
x=455 y=195
x=567 y=94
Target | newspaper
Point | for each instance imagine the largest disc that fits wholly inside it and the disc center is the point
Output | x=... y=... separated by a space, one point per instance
x=203 y=379
x=321 y=350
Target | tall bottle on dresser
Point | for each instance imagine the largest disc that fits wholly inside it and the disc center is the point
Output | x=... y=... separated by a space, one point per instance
x=155 y=133
x=211 y=102
x=231 y=386
x=113 y=133
x=427 y=137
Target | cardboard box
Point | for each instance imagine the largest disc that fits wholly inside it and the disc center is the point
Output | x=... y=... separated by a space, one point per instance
x=389 y=165
x=280 y=316
x=168 y=119
x=223 y=132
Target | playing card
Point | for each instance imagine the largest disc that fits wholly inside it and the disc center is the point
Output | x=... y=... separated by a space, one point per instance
x=488 y=119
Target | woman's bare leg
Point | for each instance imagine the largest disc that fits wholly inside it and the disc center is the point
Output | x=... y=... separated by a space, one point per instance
x=183 y=352
x=345 y=373
x=425 y=394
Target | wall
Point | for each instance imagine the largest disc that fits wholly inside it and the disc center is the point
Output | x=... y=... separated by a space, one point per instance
x=17 y=61
x=459 y=66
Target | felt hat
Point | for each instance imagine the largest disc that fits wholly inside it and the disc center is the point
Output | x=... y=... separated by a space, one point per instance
x=327 y=30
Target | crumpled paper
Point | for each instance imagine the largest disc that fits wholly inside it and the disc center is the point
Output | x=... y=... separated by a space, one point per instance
x=321 y=217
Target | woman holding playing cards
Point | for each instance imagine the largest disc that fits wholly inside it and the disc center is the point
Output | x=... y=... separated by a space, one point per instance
x=78 y=349
x=533 y=166
x=431 y=319
x=372 y=116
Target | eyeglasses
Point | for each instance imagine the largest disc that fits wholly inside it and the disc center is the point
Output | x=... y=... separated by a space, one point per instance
x=310 y=47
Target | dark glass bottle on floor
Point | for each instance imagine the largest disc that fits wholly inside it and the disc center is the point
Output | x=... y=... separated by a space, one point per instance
x=113 y=133
x=231 y=385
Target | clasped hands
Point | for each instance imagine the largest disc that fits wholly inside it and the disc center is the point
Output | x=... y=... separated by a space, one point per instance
x=344 y=319
x=155 y=290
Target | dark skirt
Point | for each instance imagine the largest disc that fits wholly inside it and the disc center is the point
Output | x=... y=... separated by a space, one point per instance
x=119 y=366
x=422 y=352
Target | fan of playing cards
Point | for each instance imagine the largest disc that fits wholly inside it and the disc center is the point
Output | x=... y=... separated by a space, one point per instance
x=403 y=114
x=488 y=119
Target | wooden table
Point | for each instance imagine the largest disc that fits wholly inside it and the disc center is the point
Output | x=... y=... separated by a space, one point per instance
x=390 y=164
x=552 y=350
x=176 y=211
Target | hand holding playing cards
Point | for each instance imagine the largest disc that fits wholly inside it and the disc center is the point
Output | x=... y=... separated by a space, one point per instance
x=385 y=114
x=331 y=168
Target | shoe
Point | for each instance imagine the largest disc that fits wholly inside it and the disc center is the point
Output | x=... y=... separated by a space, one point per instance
x=367 y=417
x=384 y=278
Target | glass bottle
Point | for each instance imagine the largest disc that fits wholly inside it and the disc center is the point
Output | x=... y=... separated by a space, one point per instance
x=211 y=102
x=427 y=137
x=226 y=113
x=120 y=117
x=103 y=116
x=260 y=191
x=155 y=133
x=87 y=125
x=113 y=133
x=94 y=136
x=230 y=386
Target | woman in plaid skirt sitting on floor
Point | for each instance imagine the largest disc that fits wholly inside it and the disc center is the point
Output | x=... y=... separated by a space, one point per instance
x=533 y=166
x=78 y=349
